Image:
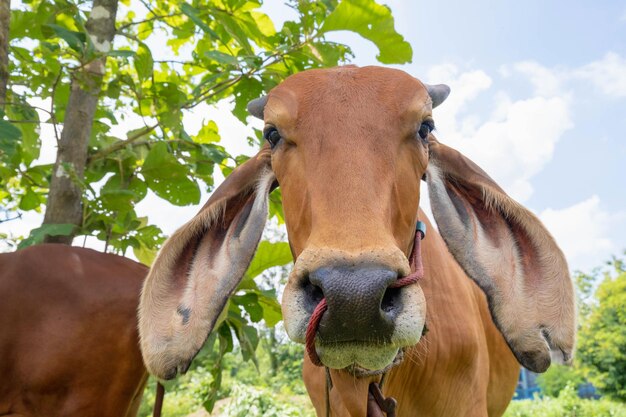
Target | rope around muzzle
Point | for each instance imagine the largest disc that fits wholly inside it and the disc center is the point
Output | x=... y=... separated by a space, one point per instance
x=417 y=272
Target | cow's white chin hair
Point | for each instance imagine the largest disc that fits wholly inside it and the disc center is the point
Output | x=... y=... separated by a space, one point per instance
x=371 y=357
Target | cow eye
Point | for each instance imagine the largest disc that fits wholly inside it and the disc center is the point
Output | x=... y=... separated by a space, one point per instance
x=425 y=129
x=271 y=135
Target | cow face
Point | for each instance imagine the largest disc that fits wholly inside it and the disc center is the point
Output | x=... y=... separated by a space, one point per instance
x=348 y=147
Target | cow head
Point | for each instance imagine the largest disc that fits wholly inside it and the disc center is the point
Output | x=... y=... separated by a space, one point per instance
x=348 y=146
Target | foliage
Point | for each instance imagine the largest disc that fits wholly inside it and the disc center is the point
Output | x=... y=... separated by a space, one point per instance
x=192 y=390
x=176 y=404
x=37 y=235
x=557 y=377
x=247 y=401
x=373 y=22
x=566 y=405
x=602 y=337
x=168 y=57
x=285 y=363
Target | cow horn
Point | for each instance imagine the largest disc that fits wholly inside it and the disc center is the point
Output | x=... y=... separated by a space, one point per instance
x=438 y=93
x=256 y=107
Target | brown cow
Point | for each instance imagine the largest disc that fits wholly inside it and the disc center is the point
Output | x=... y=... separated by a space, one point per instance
x=348 y=147
x=69 y=342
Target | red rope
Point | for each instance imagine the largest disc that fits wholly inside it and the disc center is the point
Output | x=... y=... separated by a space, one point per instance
x=311 y=329
x=417 y=272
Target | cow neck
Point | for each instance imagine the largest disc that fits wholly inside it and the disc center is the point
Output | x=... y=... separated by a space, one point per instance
x=377 y=404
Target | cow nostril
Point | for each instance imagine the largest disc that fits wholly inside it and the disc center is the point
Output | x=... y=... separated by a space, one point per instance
x=312 y=295
x=391 y=300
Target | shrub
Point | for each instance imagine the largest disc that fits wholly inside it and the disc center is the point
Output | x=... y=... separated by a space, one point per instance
x=557 y=378
x=567 y=404
x=248 y=401
x=602 y=346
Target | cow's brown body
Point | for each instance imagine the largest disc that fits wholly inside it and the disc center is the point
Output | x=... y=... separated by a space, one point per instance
x=68 y=345
x=461 y=367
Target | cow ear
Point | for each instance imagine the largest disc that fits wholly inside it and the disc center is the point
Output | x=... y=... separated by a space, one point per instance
x=506 y=250
x=200 y=266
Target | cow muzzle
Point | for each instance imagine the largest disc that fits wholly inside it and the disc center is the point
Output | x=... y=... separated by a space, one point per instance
x=361 y=306
x=366 y=321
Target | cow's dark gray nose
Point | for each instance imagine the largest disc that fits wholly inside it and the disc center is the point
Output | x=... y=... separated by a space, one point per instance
x=361 y=306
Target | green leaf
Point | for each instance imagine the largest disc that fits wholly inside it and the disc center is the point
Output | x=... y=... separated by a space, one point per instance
x=258 y=27
x=221 y=57
x=325 y=53
x=276 y=206
x=117 y=199
x=235 y=30
x=20 y=110
x=248 y=341
x=21 y=24
x=193 y=14
x=122 y=53
x=150 y=236
x=119 y=194
x=250 y=302
x=208 y=133
x=144 y=30
x=272 y=312
x=225 y=338
x=375 y=23
x=76 y=40
x=9 y=137
x=246 y=90
x=215 y=153
x=269 y=255
x=31 y=142
x=37 y=235
x=30 y=200
x=168 y=178
x=144 y=62
x=145 y=255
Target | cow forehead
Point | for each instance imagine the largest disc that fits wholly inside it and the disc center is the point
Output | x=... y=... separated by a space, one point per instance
x=364 y=92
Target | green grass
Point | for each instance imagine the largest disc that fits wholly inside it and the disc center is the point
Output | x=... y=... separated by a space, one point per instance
x=567 y=404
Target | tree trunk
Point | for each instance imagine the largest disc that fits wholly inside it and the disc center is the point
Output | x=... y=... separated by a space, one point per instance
x=65 y=199
x=5 y=17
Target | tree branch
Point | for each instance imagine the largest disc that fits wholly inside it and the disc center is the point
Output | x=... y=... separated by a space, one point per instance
x=153 y=18
x=103 y=153
x=52 y=115
x=8 y=219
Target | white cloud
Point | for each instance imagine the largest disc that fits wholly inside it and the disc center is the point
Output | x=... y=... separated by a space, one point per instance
x=608 y=74
x=465 y=87
x=517 y=148
x=546 y=82
x=515 y=142
x=581 y=231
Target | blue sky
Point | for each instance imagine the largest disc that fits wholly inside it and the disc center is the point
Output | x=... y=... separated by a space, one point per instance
x=538 y=100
